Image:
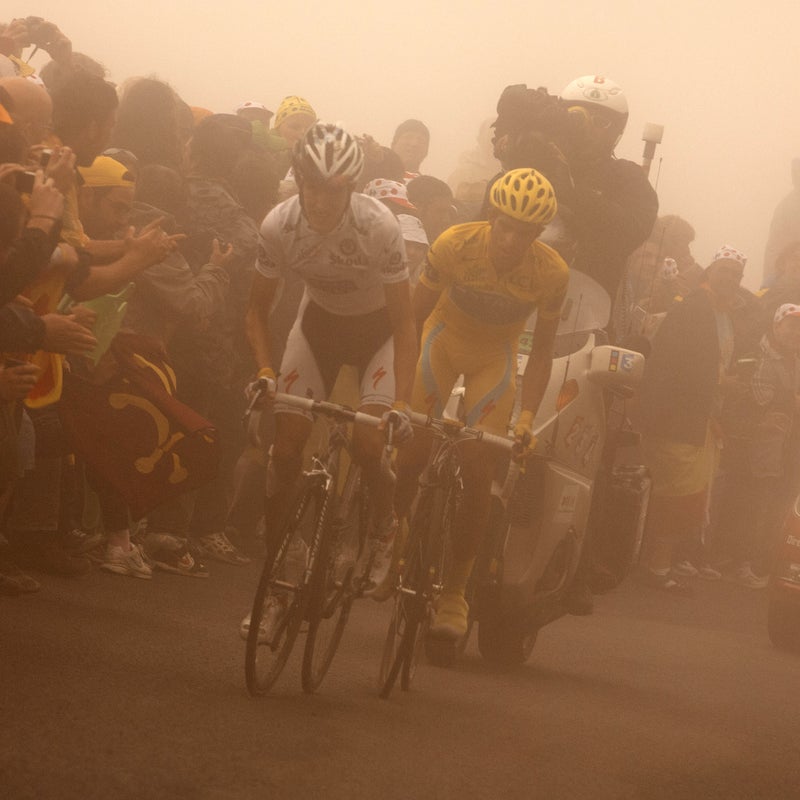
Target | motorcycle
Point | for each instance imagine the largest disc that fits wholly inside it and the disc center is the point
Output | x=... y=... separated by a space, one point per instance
x=570 y=492
x=783 y=615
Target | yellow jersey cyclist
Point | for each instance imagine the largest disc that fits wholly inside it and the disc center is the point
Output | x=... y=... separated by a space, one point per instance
x=356 y=310
x=480 y=283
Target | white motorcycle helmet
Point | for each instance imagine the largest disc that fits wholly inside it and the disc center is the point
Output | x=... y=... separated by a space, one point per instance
x=595 y=90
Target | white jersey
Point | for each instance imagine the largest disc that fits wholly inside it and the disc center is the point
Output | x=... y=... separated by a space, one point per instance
x=344 y=270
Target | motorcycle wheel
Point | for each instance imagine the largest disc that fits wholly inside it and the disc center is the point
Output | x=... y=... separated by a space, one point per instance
x=783 y=622
x=503 y=644
x=441 y=652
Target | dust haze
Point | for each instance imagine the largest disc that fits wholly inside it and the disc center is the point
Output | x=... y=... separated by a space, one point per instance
x=720 y=78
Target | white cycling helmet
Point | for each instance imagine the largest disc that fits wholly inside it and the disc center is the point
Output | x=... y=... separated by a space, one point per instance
x=328 y=152
x=595 y=90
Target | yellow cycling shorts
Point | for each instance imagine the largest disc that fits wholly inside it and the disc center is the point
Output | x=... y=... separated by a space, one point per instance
x=489 y=372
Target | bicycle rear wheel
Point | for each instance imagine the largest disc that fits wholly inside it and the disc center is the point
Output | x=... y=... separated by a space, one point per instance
x=278 y=610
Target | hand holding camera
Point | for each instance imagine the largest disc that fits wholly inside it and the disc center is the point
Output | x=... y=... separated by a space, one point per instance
x=45 y=35
x=46 y=204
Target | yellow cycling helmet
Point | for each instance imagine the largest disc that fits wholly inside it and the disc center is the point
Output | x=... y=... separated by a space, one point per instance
x=524 y=194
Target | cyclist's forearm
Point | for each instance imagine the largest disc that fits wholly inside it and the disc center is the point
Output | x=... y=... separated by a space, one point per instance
x=406 y=353
x=257 y=328
x=262 y=293
x=534 y=382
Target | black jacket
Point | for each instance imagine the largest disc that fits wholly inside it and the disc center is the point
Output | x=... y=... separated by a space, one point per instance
x=680 y=386
x=27 y=256
x=615 y=208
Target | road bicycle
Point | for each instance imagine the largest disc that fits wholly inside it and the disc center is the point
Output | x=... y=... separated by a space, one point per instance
x=309 y=573
x=426 y=554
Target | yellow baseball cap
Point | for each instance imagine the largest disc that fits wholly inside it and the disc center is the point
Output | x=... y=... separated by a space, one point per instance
x=106 y=172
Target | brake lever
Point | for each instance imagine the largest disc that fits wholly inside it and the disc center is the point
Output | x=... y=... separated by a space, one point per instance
x=391 y=422
x=262 y=386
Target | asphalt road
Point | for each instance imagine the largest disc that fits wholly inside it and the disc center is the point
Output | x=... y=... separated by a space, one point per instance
x=119 y=688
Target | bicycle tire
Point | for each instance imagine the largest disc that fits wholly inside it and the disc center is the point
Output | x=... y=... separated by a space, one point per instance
x=401 y=644
x=334 y=592
x=265 y=660
x=442 y=652
x=328 y=615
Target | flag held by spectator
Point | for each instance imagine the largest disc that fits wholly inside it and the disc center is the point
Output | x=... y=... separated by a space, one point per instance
x=127 y=424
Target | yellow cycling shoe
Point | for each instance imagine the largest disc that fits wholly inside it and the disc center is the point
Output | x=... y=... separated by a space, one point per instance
x=450 y=618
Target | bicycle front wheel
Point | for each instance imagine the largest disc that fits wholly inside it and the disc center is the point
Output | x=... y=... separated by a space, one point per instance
x=409 y=615
x=333 y=581
x=279 y=605
x=329 y=612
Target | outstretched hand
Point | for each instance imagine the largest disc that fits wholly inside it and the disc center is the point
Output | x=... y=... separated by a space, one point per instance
x=17 y=381
x=221 y=257
x=152 y=245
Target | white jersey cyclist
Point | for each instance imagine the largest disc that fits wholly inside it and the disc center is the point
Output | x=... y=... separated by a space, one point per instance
x=356 y=310
x=342 y=318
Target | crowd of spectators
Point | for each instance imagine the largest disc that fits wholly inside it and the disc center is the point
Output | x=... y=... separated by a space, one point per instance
x=718 y=407
x=128 y=234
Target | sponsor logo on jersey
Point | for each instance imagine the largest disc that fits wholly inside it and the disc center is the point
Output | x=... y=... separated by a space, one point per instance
x=356 y=260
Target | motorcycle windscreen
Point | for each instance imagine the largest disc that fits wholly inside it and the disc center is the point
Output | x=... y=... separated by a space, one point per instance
x=587 y=306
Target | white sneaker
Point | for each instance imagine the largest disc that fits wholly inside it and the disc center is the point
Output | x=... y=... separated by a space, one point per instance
x=381 y=550
x=686 y=569
x=745 y=576
x=126 y=562
x=274 y=610
x=708 y=573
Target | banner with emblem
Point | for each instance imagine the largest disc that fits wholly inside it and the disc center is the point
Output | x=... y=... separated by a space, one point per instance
x=126 y=423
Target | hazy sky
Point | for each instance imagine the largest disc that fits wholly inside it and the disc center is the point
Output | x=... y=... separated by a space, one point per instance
x=722 y=78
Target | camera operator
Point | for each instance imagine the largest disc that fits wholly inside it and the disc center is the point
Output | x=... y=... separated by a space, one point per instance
x=615 y=205
x=533 y=130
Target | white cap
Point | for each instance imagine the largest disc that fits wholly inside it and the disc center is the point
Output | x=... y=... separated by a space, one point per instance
x=252 y=104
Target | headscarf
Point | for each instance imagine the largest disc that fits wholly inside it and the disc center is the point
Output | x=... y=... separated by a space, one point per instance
x=728 y=253
x=290 y=106
x=385 y=189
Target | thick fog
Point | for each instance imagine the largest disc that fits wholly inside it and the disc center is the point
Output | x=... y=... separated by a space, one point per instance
x=721 y=78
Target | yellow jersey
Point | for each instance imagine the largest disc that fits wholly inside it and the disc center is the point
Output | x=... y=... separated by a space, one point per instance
x=477 y=301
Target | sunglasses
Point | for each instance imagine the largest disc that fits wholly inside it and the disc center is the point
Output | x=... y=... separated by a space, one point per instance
x=599 y=121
